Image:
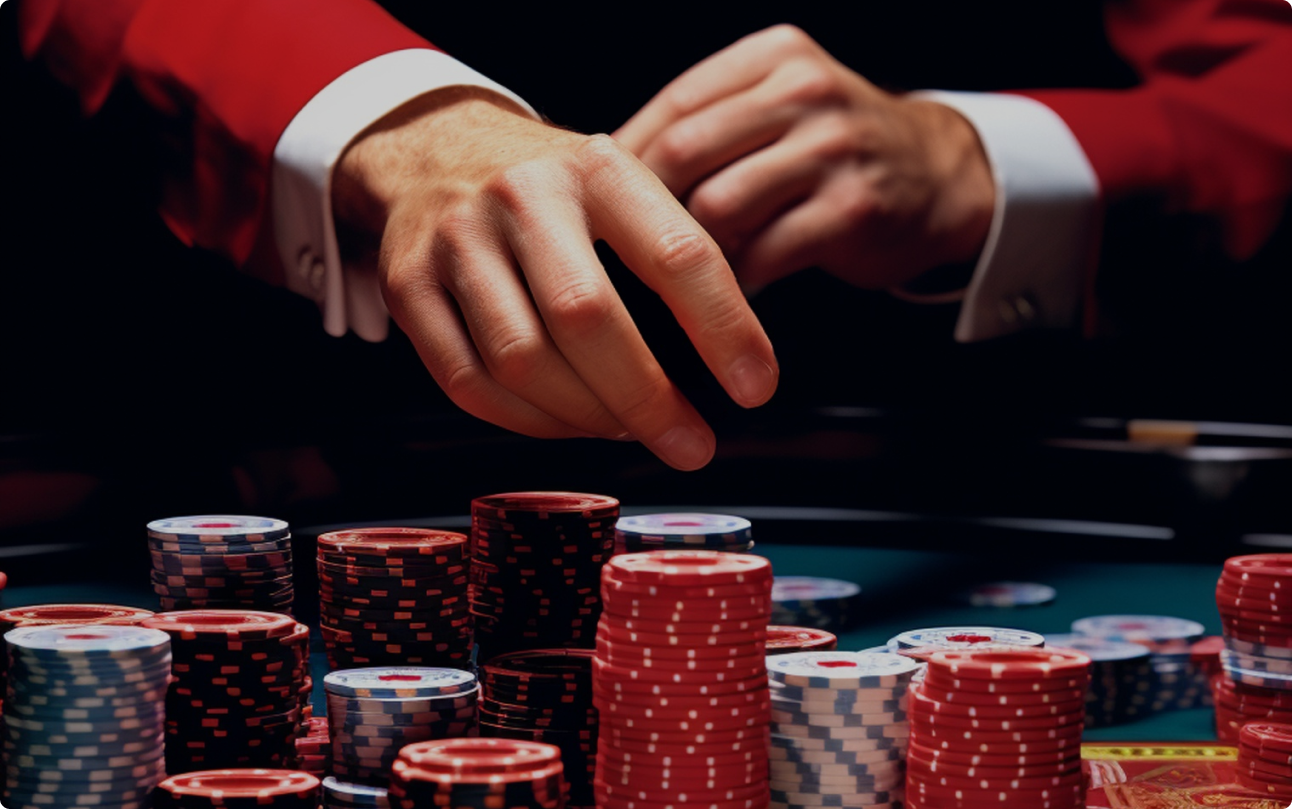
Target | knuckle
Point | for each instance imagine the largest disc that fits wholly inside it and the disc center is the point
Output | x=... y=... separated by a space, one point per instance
x=714 y=204
x=582 y=306
x=642 y=404
x=462 y=383
x=516 y=186
x=787 y=37
x=598 y=152
x=857 y=207
x=811 y=81
x=681 y=255
x=516 y=359
x=678 y=145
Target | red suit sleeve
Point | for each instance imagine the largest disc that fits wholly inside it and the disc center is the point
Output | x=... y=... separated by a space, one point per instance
x=227 y=77
x=1208 y=130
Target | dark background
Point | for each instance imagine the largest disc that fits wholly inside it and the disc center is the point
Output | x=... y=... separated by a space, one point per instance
x=140 y=379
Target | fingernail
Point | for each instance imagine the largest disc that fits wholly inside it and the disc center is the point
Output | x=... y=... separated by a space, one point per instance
x=751 y=380
x=685 y=448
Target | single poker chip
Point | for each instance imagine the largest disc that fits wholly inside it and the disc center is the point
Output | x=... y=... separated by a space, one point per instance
x=401 y=683
x=402 y=544
x=1151 y=630
x=86 y=643
x=788 y=639
x=965 y=637
x=840 y=670
x=1011 y=664
x=338 y=794
x=1271 y=567
x=217 y=528
x=1009 y=594
x=258 y=784
x=688 y=568
x=683 y=530
x=941 y=679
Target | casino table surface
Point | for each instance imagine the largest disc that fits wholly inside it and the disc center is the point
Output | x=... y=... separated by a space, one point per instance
x=901 y=589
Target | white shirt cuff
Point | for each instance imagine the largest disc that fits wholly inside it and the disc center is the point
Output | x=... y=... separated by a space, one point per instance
x=301 y=186
x=1044 y=236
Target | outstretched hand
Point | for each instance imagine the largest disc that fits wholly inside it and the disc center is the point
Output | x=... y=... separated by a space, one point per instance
x=486 y=221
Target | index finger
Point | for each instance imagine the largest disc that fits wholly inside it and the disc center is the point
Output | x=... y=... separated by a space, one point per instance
x=735 y=68
x=659 y=241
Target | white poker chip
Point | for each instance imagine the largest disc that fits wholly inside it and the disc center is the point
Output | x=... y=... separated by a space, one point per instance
x=397 y=682
x=217 y=525
x=836 y=670
x=966 y=637
x=1139 y=628
x=677 y=527
x=1100 y=650
x=795 y=589
x=92 y=641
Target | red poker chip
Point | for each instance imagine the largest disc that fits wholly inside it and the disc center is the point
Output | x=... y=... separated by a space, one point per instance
x=666 y=594
x=1029 y=759
x=1259 y=767
x=616 y=677
x=627 y=605
x=1276 y=587
x=250 y=783
x=684 y=700
x=1274 y=566
x=1017 y=663
x=1280 y=757
x=730 y=751
x=1053 y=698
x=1254 y=615
x=744 y=664
x=970 y=796
x=682 y=766
x=938 y=678
x=1268 y=735
x=787 y=639
x=919 y=756
x=607 y=647
x=699 y=722
x=234 y=625
x=632 y=779
x=654 y=792
x=995 y=711
x=392 y=542
x=692 y=627
x=754 y=638
x=1048 y=746
x=995 y=781
x=1276 y=791
x=1001 y=725
x=688 y=568
x=607 y=801
x=938 y=733
x=1236 y=595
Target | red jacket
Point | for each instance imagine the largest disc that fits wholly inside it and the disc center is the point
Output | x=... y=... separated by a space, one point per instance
x=1208 y=131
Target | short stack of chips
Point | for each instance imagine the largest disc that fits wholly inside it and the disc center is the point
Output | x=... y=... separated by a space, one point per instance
x=1177 y=684
x=222 y=561
x=344 y=795
x=240 y=690
x=818 y=603
x=545 y=695
x=314 y=747
x=373 y=712
x=1121 y=678
x=83 y=715
x=228 y=789
x=394 y=597
x=536 y=562
x=66 y=615
x=839 y=728
x=680 y=680
x=481 y=773
x=1254 y=597
x=782 y=640
x=1265 y=759
x=998 y=727
x=703 y=532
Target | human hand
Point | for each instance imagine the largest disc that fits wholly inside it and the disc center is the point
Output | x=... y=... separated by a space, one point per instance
x=487 y=219
x=791 y=160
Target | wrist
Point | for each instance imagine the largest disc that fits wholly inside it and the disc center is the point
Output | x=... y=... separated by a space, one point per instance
x=964 y=198
x=417 y=142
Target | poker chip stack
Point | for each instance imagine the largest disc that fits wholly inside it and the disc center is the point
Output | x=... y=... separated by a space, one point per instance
x=222 y=562
x=373 y=712
x=1176 y=682
x=1254 y=597
x=703 y=532
x=998 y=727
x=65 y=615
x=1121 y=678
x=839 y=728
x=783 y=640
x=272 y=789
x=1265 y=759
x=83 y=715
x=343 y=795
x=240 y=690
x=480 y=773
x=814 y=602
x=536 y=562
x=545 y=695
x=394 y=597
x=680 y=680
x=314 y=747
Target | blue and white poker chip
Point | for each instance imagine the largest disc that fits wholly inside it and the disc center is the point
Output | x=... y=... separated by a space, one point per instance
x=1154 y=630
x=1007 y=594
x=686 y=528
x=965 y=637
x=399 y=683
x=835 y=670
x=218 y=527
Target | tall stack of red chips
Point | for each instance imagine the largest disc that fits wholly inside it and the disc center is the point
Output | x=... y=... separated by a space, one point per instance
x=1265 y=759
x=1254 y=597
x=998 y=727
x=680 y=680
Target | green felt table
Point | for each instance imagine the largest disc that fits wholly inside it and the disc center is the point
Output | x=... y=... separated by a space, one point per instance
x=901 y=589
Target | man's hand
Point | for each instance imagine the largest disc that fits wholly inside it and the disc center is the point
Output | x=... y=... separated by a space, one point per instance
x=791 y=160
x=487 y=219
